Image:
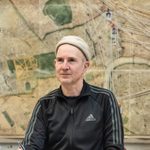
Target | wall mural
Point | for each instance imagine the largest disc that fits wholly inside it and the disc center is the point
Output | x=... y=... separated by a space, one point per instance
x=118 y=34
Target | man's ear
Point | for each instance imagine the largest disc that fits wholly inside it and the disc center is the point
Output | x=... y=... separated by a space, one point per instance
x=86 y=65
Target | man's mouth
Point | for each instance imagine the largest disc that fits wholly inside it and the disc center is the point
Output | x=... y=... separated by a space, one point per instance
x=64 y=74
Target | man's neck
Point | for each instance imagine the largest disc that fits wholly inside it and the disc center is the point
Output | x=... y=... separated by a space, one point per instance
x=72 y=90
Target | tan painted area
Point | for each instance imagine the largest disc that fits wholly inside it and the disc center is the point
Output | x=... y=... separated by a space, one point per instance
x=120 y=60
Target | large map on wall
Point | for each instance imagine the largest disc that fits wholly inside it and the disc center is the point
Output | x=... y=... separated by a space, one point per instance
x=118 y=35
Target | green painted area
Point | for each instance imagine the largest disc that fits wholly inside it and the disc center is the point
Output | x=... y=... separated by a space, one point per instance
x=46 y=61
x=28 y=86
x=8 y=118
x=59 y=11
x=11 y=66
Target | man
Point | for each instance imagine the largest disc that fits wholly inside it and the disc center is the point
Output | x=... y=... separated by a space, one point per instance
x=76 y=116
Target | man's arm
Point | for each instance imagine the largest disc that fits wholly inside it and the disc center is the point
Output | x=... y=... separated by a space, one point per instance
x=113 y=126
x=35 y=136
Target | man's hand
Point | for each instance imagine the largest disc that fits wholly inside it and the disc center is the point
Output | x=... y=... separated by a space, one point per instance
x=19 y=148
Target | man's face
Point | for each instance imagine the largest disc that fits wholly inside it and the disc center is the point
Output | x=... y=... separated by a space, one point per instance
x=70 y=65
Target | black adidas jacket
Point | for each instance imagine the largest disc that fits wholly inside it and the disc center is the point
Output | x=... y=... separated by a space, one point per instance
x=93 y=123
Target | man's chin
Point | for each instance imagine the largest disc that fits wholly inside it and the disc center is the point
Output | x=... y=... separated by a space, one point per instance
x=65 y=81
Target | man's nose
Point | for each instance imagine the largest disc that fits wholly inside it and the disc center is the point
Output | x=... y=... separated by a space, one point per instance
x=65 y=65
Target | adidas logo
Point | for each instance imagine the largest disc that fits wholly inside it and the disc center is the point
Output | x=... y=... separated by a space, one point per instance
x=90 y=118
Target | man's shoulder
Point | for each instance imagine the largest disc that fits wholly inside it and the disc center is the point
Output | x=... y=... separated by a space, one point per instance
x=102 y=94
x=49 y=97
x=100 y=90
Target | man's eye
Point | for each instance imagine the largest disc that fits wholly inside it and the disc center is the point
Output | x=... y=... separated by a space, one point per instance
x=59 y=60
x=71 y=60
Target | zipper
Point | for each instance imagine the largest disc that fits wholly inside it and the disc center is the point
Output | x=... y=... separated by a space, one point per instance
x=71 y=127
x=71 y=111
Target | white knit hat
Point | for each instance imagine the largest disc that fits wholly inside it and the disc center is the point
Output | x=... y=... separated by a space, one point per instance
x=77 y=42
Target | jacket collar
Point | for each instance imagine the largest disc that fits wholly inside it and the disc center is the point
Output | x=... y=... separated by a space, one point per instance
x=84 y=92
